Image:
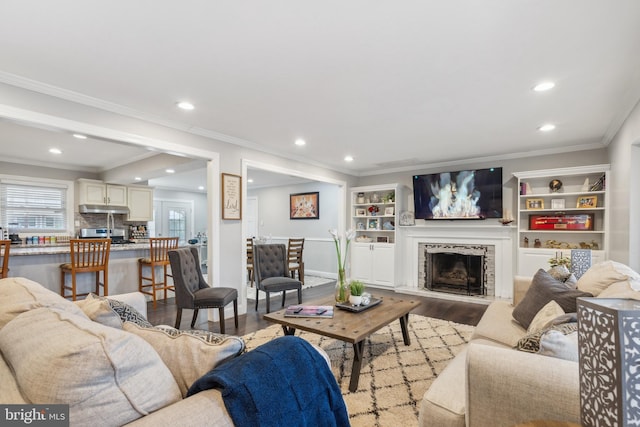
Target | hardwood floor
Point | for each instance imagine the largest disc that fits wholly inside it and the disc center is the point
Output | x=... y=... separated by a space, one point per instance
x=165 y=313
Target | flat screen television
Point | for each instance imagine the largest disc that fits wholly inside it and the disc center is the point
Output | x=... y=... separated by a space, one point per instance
x=467 y=194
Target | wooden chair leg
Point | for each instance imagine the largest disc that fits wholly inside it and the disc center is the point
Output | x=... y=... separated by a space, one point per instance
x=257 y=292
x=195 y=316
x=153 y=284
x=268 y=302
x=299 y=295
x=62 y=277
x=73 y=287
x=178 y=318
x=221 y=315
x=105 y=276
x=284 y=297
x=164 y=282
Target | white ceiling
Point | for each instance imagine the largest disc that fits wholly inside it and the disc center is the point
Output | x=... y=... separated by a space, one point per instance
x=396 y=84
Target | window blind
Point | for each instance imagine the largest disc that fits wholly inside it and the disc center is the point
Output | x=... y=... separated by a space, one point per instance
x=33 y=207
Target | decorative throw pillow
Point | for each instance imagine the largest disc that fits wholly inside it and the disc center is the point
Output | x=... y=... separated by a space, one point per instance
x=188 y=354
x=600 y=276
x=559 y=272
x=106 y=375
x=123 y=311
x=543 y=289
x=19 y=295
x=531 y=342
x=99 y=310
x=546 y=314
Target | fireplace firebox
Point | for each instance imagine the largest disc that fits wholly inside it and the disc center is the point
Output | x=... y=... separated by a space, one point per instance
x=455 y=273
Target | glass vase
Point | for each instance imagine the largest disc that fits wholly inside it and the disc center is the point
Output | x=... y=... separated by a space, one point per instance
x=342 y=289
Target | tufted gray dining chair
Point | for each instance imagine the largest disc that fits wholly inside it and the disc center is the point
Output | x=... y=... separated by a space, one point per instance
x=193 y=292
x=271 y=270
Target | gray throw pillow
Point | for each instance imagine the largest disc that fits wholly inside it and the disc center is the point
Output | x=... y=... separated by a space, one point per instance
x=543 y=289
x=531 y=342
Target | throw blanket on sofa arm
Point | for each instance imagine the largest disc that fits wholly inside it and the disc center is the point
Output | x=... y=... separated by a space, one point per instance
x=283 y=382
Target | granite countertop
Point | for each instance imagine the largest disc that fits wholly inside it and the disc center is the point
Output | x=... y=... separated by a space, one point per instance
x=65 y=249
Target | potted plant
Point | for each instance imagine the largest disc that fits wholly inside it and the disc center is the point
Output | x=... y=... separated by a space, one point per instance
x=356 y=288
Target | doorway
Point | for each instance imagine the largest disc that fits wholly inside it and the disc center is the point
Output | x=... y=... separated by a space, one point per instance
x=172 y=218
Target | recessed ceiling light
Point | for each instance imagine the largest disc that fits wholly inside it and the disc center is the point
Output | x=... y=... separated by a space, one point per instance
x=55 y=151
x=170 y=171
x=348 y=158
x=201 y=187
x=249 y=180
x=543 y=86
x=137 y=178
x=79 y=136
x=185 y=105
x=546 y=128
x=300 y=142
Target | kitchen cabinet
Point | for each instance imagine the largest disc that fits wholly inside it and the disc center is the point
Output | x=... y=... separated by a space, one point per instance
x=373 y=263
x=560 y=210
x=92 y=192
x=140 y=202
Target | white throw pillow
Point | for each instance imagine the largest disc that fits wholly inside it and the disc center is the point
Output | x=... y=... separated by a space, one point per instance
x=623 y=289
x=106 y=375
x=556 y=344
x=600 y=276
x=188 y=354
x=99 y=310
x=546 y=314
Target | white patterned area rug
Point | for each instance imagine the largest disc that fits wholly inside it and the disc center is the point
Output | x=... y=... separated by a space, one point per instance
x=394 y=377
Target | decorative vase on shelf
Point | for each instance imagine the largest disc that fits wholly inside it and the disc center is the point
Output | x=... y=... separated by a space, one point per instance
x=342 y=289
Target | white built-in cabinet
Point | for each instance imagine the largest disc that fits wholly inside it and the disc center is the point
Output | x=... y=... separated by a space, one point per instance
x=561 y=209
x=140 y=202
x=92 y=192
x=374 y=217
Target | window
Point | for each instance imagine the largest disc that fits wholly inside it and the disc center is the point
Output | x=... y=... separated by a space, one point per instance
x=29 y=207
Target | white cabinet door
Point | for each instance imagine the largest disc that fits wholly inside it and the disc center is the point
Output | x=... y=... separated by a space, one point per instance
x=383 y=265
x=116 y=195
x=140 y=201
x=92 y=193
x=361 y=262
x=531 y=260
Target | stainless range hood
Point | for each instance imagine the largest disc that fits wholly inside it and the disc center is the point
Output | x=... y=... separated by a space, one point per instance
x=103 y=209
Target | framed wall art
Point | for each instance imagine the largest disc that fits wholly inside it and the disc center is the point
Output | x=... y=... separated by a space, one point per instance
x=231 y=196
x=304 y=205
x=587 y=202
x=535 y=203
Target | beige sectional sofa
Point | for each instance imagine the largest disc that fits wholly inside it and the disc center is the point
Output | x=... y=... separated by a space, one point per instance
x=492 y=384
x=53 y=352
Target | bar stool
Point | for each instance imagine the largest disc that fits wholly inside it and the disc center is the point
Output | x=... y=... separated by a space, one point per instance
x=5 y=247
x=87 y=256
x=158 y=257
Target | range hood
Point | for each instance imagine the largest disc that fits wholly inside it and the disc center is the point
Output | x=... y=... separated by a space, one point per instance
x=103 y=209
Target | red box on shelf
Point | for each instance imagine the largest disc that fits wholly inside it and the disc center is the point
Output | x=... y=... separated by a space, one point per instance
x=561 y=222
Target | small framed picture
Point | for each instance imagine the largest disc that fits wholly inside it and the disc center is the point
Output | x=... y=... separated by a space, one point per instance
x=389 y=210
x=382 y=239
x=587 y=202
x=361 y=212
x=557 y=203
x=535 y=203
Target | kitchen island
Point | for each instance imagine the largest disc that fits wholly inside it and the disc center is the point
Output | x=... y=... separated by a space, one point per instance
x=41 y=263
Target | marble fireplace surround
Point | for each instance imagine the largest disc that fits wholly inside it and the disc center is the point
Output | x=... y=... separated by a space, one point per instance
x=458 y=233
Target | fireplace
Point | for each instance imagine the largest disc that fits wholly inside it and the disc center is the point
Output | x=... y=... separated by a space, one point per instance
x=457 y=268
x=455 y=272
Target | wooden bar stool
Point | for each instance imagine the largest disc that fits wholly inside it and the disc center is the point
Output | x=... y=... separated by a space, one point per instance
x=158 y=257
x=5 y=247
x=87 y=256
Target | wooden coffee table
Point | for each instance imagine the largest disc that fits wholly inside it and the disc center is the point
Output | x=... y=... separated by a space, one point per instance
x=349 y=326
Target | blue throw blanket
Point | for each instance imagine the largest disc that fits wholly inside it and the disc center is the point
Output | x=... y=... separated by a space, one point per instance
x=283 y=382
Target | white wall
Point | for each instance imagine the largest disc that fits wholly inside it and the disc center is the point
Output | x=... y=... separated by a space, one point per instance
x=625 y=180
x=199 y=205
x=273 y=221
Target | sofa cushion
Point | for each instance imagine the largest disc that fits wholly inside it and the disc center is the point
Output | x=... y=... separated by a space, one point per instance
x=188 y=354
x=106 y=375
x=19 y=295
x=497 y=324
x=543 y=289
x=623 y=289
x=600 y=276
x=546 y=314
